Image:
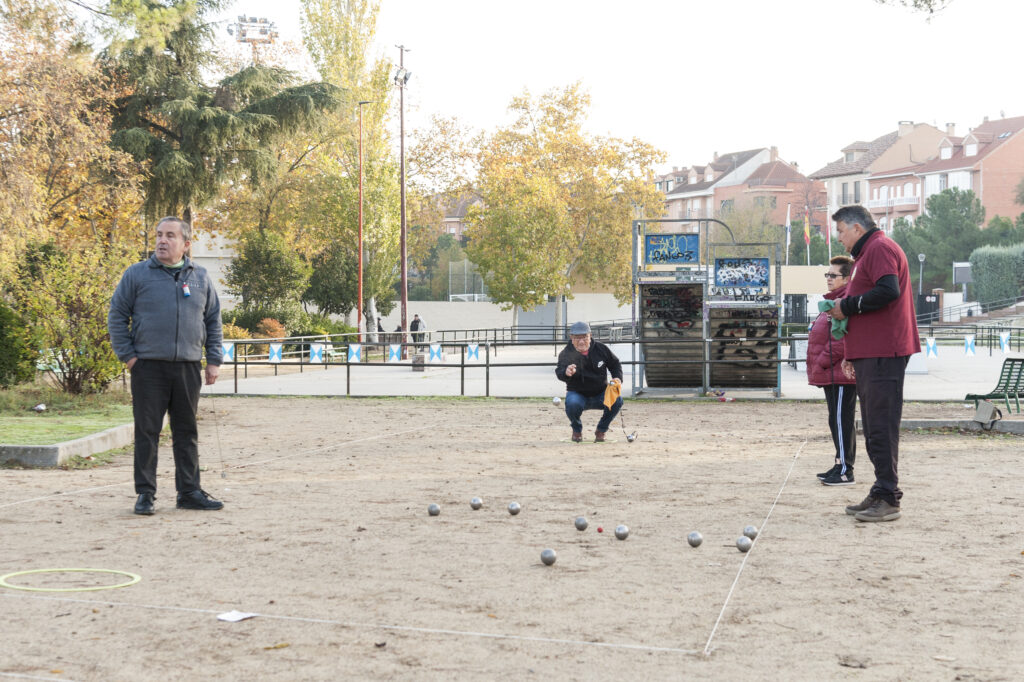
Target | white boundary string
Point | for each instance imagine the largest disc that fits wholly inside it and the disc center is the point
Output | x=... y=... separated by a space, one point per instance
x=375 y=626
x=707 y=647
x=237 y=466
x=21 y=676
x=329 y=447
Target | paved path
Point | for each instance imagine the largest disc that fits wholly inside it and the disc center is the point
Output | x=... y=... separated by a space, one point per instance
x=950 y=376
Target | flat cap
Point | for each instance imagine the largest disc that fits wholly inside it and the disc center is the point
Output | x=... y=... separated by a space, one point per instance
x=579 y=328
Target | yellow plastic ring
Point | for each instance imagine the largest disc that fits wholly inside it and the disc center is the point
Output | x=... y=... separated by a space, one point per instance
x=133 y=579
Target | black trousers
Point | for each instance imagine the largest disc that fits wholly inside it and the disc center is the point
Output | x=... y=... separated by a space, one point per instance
x=880 y=389
x=159 y=388
x=842 y=406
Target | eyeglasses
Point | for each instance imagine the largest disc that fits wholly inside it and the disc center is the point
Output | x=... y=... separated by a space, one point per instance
x=831 y=275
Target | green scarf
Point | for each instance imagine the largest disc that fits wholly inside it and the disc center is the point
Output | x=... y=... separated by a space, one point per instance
x=838 y=326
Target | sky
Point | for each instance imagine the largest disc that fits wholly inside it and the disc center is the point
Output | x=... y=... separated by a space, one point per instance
x=694 y=78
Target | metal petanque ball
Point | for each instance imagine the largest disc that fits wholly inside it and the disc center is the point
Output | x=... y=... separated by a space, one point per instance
x=750 y=532
x=514 y=508
x=556 y=400
x=621 y=532
x=695 y=539
x=476 y=503
x=433 y=510
x=631 y=437
x=744 y=544
x=581 y=523
x=548 y=556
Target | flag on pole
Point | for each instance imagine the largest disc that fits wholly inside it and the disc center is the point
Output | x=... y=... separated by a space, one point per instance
x=969 y=345
x=1004 y=342
x=789 y=229
x=807 y=232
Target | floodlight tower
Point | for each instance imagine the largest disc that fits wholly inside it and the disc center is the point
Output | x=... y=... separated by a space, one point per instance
x=255 y=31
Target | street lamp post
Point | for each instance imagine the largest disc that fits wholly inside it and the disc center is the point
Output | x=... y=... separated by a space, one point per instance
x=359 y=313
x=920 y=272
x=401 y=79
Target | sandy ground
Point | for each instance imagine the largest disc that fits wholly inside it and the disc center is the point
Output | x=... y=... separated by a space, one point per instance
x=326 y=535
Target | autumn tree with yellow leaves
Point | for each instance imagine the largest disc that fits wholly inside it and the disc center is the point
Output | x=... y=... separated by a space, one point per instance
x=558 y=203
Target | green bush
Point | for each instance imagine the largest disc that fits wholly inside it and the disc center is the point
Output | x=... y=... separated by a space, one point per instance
x=998 y=273
x=66 y=295
x=17 y=357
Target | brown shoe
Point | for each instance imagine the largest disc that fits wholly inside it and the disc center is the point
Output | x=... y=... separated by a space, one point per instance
x=855 y=509
x=599 y=436
x=880 y=510
x=577 y=436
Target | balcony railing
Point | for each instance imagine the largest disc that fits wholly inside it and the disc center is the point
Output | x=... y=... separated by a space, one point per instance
x=892 y=202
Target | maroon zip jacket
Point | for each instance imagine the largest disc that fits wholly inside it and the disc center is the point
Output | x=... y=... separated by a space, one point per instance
x=824 y=353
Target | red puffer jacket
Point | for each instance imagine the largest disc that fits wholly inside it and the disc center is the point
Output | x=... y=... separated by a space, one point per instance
x=824 y=353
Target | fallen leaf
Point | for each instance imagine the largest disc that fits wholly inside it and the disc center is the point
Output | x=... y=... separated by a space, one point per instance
x=282 y=645
x=948 y=659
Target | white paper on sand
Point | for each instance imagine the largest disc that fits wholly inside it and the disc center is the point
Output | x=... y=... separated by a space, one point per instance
x=235 y=616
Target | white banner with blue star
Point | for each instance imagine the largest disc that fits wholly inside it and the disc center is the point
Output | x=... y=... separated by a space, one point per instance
x=435 y=353
x=355 y=352
x=969 y=345
x=931 y=351
x=228 y=348
x=316 y=352
x=473 y=351
x=394 y=352
x=1004 y=341
x=275 y=352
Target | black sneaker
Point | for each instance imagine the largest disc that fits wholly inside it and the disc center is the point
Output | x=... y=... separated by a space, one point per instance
x=836 y=478
x=198 y=499
x=826 y=474
x=144 y=505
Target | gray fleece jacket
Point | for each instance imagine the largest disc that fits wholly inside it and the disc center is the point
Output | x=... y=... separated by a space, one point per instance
x=151 y=317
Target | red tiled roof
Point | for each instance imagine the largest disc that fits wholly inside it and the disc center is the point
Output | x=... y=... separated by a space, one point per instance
x=1007 y=127
x=724 y=164
x=775 y=173
x=875 y=148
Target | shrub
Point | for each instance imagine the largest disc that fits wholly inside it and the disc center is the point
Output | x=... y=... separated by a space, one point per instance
x=66 y=295
x=17 y=357
x=996 y=271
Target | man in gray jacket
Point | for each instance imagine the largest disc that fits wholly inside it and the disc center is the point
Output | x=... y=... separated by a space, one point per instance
x=164 y=312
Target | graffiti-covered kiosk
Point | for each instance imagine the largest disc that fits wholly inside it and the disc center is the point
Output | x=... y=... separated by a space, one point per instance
x=708 y=310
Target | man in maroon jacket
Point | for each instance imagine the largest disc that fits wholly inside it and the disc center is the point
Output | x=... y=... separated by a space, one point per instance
x=881 y=337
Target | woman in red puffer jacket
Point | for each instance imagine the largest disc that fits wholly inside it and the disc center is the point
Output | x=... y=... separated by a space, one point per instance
x=824 y=357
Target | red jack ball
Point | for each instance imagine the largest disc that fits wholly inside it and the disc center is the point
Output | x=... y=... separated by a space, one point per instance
x=600 y=529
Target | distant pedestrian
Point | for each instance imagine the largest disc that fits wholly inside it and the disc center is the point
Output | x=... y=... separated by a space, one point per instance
x=881 y=336
x=417 y=326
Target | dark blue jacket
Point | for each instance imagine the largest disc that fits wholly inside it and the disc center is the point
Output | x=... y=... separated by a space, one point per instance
x=151 y=318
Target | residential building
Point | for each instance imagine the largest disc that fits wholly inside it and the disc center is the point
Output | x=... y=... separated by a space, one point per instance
x=847 y=179
x=455 y=213
x=695 y=198
x=776 y=186
x=989 y=160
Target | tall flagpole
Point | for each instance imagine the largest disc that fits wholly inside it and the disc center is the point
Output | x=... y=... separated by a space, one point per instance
x=807 y=232
x=789 y=229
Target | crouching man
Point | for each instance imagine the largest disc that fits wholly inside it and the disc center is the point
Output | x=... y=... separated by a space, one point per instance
x=584 y=365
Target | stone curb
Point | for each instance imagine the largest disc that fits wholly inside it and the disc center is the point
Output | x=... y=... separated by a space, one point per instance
x=60 y=453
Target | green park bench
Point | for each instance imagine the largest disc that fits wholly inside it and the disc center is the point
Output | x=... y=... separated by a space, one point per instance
x=1010 y=385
